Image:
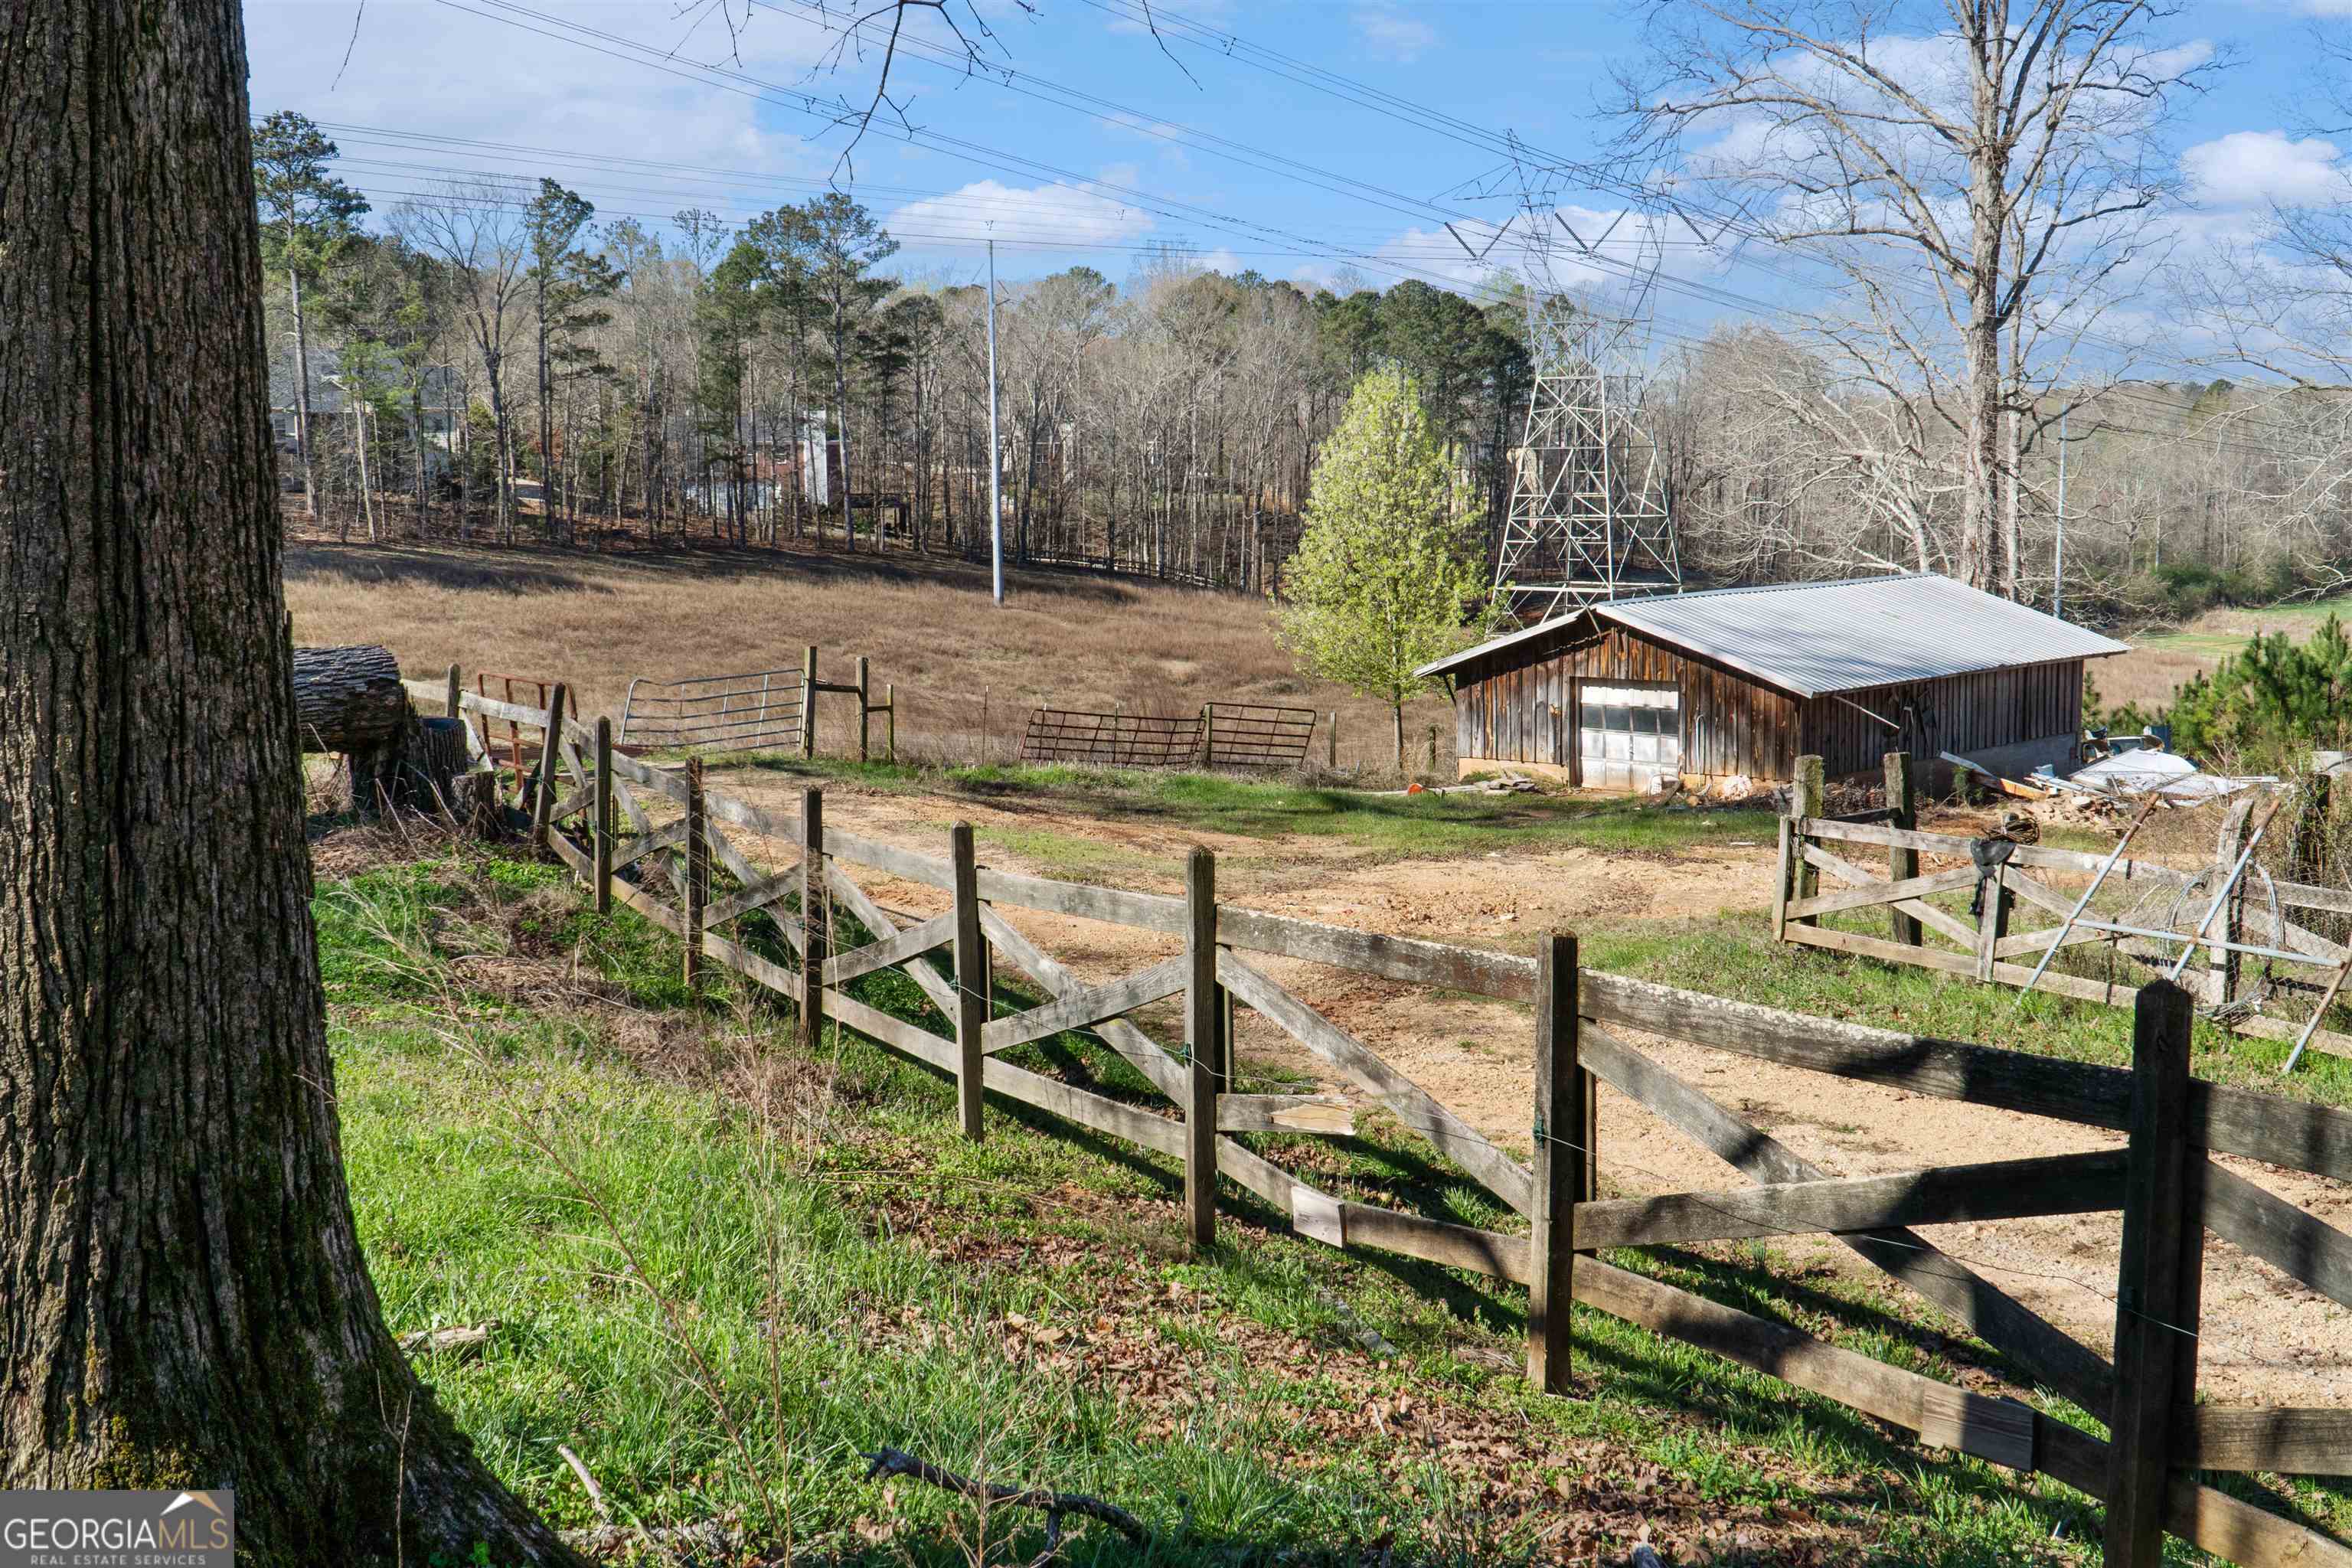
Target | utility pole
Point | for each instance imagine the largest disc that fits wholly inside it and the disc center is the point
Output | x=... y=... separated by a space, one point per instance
x=996 y=455
x=2058 y=562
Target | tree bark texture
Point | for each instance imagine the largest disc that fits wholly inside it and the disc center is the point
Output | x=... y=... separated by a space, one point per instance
x=183 y=1300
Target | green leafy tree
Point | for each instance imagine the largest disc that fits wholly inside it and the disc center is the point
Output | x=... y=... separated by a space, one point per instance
x=1387 y=577
x=308 y=215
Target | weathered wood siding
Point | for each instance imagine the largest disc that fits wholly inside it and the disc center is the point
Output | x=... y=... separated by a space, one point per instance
x=1519 y=705
x=1961 y=713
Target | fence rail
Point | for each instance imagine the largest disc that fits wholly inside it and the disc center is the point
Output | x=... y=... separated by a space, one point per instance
x=822 y=931
x=1988 y=942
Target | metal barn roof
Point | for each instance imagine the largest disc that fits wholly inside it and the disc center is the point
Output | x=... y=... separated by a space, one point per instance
x=1811 y=638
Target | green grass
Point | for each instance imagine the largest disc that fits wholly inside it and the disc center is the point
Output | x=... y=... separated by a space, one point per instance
x=1737 y=957
x=722 y=1271
x=1391 y=825
x=2299 y=620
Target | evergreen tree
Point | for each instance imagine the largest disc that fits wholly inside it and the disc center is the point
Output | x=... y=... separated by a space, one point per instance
x=1387 y=577
x=2272 y=700
x=306 y=217
x=566 y=283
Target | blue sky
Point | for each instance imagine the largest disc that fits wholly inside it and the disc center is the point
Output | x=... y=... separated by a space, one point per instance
x=649 y=107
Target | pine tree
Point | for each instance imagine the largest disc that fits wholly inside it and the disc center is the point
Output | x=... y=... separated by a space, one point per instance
x=1387 y=576
x=308 y=215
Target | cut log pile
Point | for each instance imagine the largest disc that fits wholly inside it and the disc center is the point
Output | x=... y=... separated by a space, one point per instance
x=350 y=701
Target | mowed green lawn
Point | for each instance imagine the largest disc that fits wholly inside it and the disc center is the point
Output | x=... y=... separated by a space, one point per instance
x=721 y=1270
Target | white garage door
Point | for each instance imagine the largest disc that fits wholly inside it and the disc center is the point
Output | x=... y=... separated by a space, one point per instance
x=1629 y=735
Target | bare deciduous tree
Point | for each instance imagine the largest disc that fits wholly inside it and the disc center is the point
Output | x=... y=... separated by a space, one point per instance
x=2006 y=144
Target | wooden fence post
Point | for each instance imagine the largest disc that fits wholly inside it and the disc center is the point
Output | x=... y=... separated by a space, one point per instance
x=456 y=694
x=864 y=705
x=1331 y=743
x=2158 y=1283
x=1808 y=797
x=814 y=928
x=1992 y=925
x=808 y=704
x=2221 y=963
x=698 y=870
x=1560 y=1167
x=1902 y=863
x=604 y=810
x=890 y=725
x=972 y=981
x=542 y=797
x=1208 y=734
x=1202 y=1026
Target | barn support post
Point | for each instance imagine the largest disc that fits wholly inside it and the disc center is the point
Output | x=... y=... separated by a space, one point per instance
x=1902 y=863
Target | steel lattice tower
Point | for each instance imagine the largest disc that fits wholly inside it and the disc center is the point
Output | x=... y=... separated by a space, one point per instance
x=1587 y=518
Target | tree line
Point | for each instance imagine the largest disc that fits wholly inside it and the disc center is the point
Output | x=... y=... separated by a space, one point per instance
x=494 y=331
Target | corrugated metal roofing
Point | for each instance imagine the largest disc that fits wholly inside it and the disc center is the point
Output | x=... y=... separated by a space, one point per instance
x=1811 y=638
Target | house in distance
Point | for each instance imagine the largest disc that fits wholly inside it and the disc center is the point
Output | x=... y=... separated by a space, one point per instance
x=1734 y=683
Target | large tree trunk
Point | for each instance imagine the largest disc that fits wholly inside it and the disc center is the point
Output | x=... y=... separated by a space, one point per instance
x=183 y=1300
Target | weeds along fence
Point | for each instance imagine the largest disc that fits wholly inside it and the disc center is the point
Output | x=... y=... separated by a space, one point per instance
x=814 y=933
x=2099 y=928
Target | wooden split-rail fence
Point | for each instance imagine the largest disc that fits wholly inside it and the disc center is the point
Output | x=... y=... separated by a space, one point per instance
x=687 y=875
x=2018 y=915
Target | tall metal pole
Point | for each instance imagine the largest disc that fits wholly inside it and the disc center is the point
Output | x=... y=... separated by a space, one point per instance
x=2058 y=563
x=995 y=462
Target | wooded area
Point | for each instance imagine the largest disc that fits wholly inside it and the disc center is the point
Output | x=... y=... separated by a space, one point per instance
x=1165 y=423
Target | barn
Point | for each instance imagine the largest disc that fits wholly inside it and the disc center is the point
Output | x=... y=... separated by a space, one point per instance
x=1741 y=682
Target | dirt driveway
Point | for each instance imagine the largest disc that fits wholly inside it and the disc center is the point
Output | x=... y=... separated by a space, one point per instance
x=2264 y=1339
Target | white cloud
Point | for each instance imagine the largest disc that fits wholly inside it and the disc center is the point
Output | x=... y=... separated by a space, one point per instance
x=1055 y=214
x=2258 y=168
x=419 y=66
x=1390 y=33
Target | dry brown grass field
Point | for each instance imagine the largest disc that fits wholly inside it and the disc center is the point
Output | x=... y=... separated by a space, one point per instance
x=2161 y=660
x=967 y=673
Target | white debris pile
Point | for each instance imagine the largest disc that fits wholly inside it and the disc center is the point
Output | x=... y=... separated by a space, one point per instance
x=2173 y=778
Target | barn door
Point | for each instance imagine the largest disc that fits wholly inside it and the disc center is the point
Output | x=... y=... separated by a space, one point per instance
x=1629 y=735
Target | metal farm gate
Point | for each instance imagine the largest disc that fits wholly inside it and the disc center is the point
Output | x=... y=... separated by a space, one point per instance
x=757 y=711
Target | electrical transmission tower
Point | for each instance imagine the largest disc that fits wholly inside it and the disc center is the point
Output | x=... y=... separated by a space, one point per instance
x=1587 y=518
